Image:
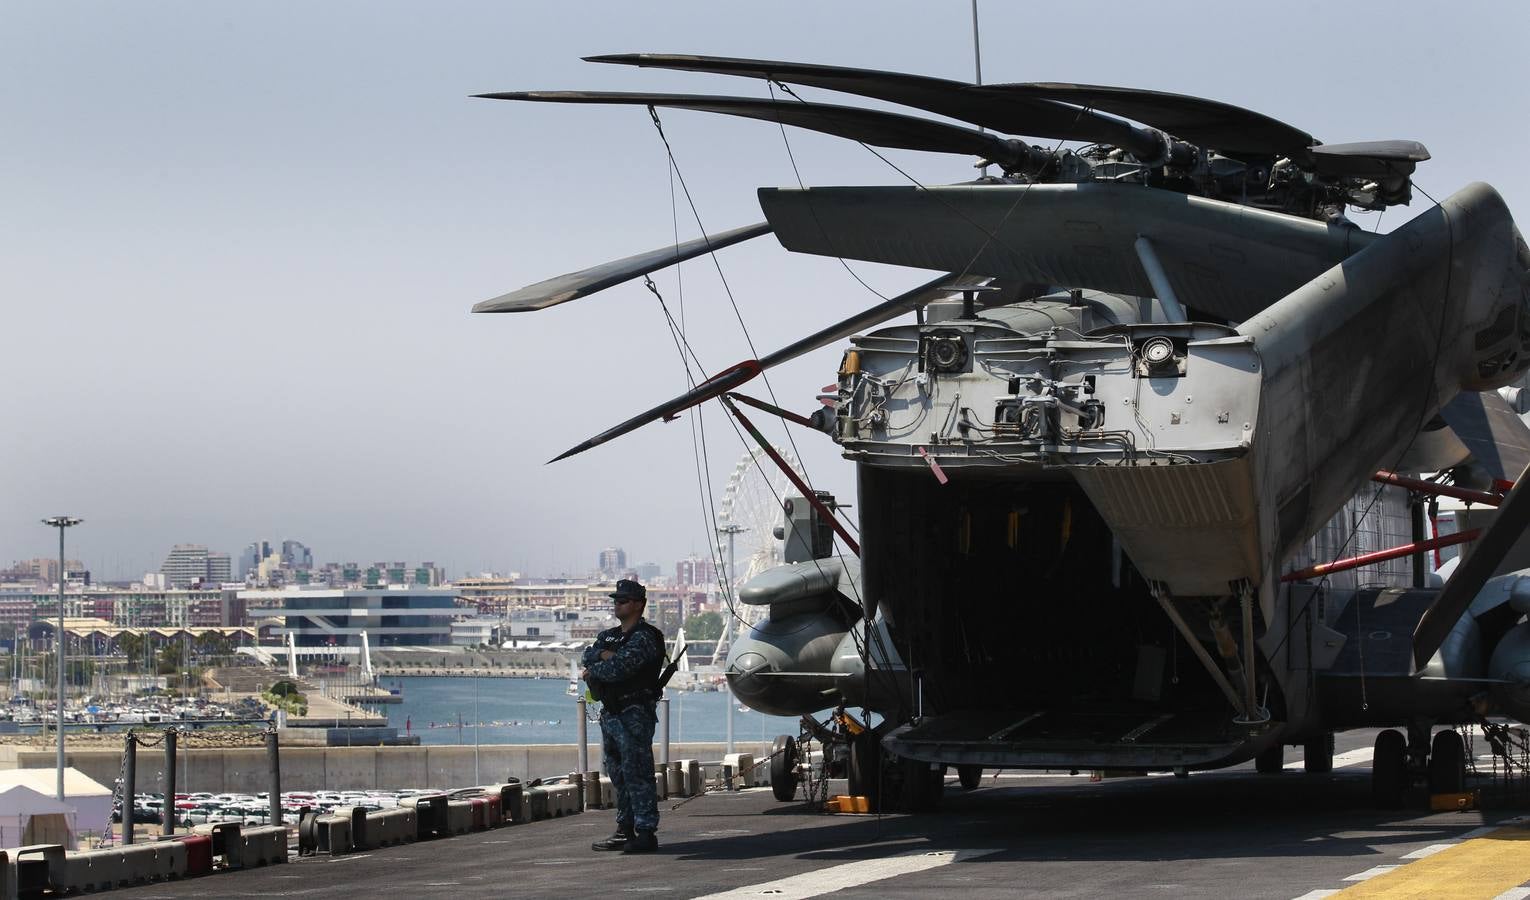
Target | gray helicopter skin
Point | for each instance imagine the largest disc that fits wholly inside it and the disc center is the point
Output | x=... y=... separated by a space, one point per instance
x=1159 y=366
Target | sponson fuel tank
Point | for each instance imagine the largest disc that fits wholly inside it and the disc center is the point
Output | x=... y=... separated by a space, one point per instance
x=806 y=653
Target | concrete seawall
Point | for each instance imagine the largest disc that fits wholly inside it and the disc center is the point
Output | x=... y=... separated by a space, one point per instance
x=243 y=770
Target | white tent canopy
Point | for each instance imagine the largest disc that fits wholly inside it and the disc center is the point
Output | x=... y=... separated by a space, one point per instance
x=27 y=817
x=28 y=794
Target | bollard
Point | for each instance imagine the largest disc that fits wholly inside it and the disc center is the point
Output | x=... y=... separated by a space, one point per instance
x=592 y=792
x=674 y=782
x=129 y=786
x=584 y=737
x=579 y=781
x=274 y=761
x=664 y=729
x=167 y=812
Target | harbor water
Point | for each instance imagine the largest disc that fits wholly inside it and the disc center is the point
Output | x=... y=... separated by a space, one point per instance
x=540 y=711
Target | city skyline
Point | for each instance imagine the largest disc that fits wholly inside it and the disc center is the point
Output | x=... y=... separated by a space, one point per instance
x=666 y=568
x=239 y=279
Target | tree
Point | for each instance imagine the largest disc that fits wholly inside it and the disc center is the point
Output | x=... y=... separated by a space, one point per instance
x=132 y=647
x=707 y=626
x=170 y=659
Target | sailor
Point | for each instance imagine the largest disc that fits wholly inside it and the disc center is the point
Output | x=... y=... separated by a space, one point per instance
x=623 y=670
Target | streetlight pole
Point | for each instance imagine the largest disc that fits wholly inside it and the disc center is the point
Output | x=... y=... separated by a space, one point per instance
x=732 y=530
x=60 y=522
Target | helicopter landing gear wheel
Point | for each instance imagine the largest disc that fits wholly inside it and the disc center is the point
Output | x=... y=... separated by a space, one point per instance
x=1389 y=769
x=783 y=768
x=866 y=768
x=969 y=776
x=1270 y=760
x=1317 y=754
x=1447 y=763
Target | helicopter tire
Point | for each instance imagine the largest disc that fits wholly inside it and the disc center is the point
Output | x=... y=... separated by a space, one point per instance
x=1389 y=769
x=969 y=776
x=1447 y=763
x=1270 y=760
x=866 y=768
x=1317 y=754
x=783 y=768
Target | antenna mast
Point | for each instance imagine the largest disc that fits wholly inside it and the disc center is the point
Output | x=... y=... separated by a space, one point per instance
x=977 y=60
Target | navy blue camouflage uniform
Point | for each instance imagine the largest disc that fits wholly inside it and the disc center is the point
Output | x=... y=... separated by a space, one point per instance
x=627 y=724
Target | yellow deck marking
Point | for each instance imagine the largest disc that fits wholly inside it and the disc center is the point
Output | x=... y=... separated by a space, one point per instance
x=1482 y=867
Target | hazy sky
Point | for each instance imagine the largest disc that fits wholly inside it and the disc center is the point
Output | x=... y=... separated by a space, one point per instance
x=239 y=243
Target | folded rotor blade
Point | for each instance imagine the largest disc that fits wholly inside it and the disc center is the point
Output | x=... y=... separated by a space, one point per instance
x=1368 y=159
x=734 y=376
x=721 y=383
x=1223 y=259
x=882 y=129
x=1209 y=123
x=1010 y=113
x=584 y=282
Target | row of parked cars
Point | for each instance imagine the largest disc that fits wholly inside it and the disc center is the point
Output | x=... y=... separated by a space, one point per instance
x=255 y=809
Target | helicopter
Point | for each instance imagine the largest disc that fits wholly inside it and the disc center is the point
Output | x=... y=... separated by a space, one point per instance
x=1152 y=368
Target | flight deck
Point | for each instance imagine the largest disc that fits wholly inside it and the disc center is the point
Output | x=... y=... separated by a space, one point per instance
x=1024 y=834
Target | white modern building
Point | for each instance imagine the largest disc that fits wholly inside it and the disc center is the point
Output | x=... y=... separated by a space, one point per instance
x=475 y=631
x=398 y=615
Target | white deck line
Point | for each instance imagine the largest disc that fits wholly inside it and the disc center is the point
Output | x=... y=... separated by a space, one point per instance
x=1430 y=850
x=847 y=875
x=1372 y=872
x=1340 y=760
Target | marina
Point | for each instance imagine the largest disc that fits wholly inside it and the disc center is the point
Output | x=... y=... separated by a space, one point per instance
x=465 y=711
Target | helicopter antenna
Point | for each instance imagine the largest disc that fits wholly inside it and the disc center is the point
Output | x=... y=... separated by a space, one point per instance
x=977 y=47
x=977 y=61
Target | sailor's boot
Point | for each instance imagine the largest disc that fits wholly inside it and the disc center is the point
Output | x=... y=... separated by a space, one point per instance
x=642 y=842
x=617 y=841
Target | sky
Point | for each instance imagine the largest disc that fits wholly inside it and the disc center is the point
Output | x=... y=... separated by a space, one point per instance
x=239 y=243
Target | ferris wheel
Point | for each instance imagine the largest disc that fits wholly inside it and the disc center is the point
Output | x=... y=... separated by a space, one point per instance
x=748 y=514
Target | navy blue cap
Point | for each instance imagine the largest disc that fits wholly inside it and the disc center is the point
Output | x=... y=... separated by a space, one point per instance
x=627 y=589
